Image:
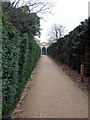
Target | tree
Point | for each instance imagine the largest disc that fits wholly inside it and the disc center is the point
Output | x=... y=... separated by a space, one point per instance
x=35 y=6
x=23 y=20
x=56 y=32
x=24 y=16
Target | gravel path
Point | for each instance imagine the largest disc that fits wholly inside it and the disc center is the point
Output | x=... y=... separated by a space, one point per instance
x=52 y=94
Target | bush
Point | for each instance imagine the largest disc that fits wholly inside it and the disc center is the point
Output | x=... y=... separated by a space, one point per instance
x=19 y=57
x=73 y=49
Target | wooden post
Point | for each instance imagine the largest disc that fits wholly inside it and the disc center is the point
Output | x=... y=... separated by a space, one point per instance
x=82 y=73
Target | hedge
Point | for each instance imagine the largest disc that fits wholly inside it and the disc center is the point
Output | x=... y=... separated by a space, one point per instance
x=73 y=49
x=19 y=56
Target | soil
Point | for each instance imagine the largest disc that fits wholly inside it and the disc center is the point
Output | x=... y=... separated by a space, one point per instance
x=75 y=77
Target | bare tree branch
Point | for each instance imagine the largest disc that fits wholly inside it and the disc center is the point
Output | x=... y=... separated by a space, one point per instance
x=56 y=32
x=35 y=6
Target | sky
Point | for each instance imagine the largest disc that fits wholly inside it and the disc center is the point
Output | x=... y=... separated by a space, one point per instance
x=68 y=13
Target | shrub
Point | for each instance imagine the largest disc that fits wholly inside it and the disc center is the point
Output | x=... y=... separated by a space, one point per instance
x=73 y=49
x=19 y=57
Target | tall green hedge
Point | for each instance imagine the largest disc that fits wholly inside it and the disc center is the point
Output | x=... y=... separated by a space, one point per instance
x=19 y=57
x=73 y=49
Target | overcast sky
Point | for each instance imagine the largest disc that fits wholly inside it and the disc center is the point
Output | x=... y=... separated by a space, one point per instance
x=68 y=13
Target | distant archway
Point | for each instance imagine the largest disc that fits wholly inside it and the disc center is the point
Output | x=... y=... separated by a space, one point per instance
x=44 y=47
x=43 y=51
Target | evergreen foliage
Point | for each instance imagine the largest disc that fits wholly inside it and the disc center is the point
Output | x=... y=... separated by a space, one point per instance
x=73 y=49
x=19 y=56
x=22 y=19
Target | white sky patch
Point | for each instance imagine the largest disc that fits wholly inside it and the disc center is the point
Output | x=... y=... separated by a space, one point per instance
x=68 y=13
x=5 y=0
x=89 y=9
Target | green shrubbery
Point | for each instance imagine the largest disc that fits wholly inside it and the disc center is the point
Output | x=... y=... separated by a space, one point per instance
x=19 y=56
x=73 y=49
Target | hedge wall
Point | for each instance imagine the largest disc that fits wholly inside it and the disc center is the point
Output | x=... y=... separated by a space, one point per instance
x=19 y=57
x=73 y=49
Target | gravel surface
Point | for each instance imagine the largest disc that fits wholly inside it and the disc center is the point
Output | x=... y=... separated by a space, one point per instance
x=51 y=94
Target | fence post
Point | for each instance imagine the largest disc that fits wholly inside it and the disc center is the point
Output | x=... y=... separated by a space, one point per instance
x=82 y=73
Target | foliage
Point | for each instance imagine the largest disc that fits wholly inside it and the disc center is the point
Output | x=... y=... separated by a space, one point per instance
x=22 y=19
x=73 y=49
x=19 y=57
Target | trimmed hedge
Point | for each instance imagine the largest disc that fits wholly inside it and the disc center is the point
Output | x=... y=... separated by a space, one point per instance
x=73 y=49
x=19 y=57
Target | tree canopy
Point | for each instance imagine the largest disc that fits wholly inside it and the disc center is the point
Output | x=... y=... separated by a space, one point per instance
x=22 y=19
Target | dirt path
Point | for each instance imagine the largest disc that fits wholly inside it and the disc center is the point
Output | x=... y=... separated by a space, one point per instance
x=52 y=94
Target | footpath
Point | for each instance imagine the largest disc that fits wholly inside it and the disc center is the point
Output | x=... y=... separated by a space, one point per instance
x=52 y=94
